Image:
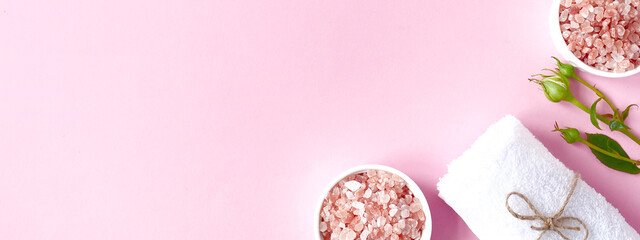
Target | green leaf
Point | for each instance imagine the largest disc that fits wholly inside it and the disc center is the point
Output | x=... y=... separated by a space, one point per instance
x=625 y=113
x=594 y=119
x=610 y=145
x=617 y=125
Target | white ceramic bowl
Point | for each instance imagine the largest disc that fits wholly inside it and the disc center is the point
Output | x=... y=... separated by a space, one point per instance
x=426 y=232
x=558 y=41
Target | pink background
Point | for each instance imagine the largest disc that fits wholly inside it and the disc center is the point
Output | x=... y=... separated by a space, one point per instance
x=226 y=119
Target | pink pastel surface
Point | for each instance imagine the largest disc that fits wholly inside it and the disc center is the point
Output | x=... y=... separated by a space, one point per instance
x=226 y=119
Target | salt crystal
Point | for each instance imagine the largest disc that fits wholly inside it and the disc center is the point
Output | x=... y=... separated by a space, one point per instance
x=393 y=212
x=575 y=25
x=358 y=227
x=404 y=226
x=608 y=42
x=367 y=193
x=385 y=198
x=588 y=28
x=589 y=41
x=421 y=216
x=364 y=235
x=597 y=43
x=371 y=173
x=609 y=13
x=564 y=15
x=405 y=213
x=335 y=233
x=323 y=226
x=351 y=235
x=605 y=23
x=358 y=205
x=624 y=64
x=349 y=195
x=388 y=230
x=415 y=207
x=393 y=194
x=352 y=185
x=579 y=19
x=593 y=54
x=401 y=223
x=415 y=235
x=381 y=221
x=584 y=12
x=626 y=10
x=412 y=222
x=578 y=53
x=620 y=29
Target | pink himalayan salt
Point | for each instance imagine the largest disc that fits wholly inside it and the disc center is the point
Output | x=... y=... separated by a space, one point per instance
x=604 y=34
x=371 y=205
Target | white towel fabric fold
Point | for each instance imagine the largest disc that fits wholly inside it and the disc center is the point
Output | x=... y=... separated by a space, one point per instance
x=509 y=158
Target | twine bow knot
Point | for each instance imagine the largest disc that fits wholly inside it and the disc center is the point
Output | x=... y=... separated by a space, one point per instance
x=553 y=223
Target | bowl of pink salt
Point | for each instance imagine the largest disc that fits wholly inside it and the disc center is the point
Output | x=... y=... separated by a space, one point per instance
x=601 y=37
x=373 y=202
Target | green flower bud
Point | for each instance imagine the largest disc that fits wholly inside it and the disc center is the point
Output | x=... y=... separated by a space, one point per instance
x=570 y=135
x=556 y=87
x=566 y=69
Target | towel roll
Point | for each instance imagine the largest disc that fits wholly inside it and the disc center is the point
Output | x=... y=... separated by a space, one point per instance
x=509 y=158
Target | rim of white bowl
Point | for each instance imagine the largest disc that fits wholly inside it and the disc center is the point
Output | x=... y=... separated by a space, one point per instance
x=561 y=46
x=415 y=189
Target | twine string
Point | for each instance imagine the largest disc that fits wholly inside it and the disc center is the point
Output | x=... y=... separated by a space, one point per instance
x=553 y=223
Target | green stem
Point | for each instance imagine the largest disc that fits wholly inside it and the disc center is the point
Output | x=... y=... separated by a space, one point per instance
x=594 y=147
x=630 y=135
x=584 y=108
x=600 y=94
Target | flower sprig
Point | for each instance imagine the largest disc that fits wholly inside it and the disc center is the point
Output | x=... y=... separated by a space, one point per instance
x=556 y=88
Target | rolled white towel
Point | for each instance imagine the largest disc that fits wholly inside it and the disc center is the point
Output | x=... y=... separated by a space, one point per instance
x=508 y=158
